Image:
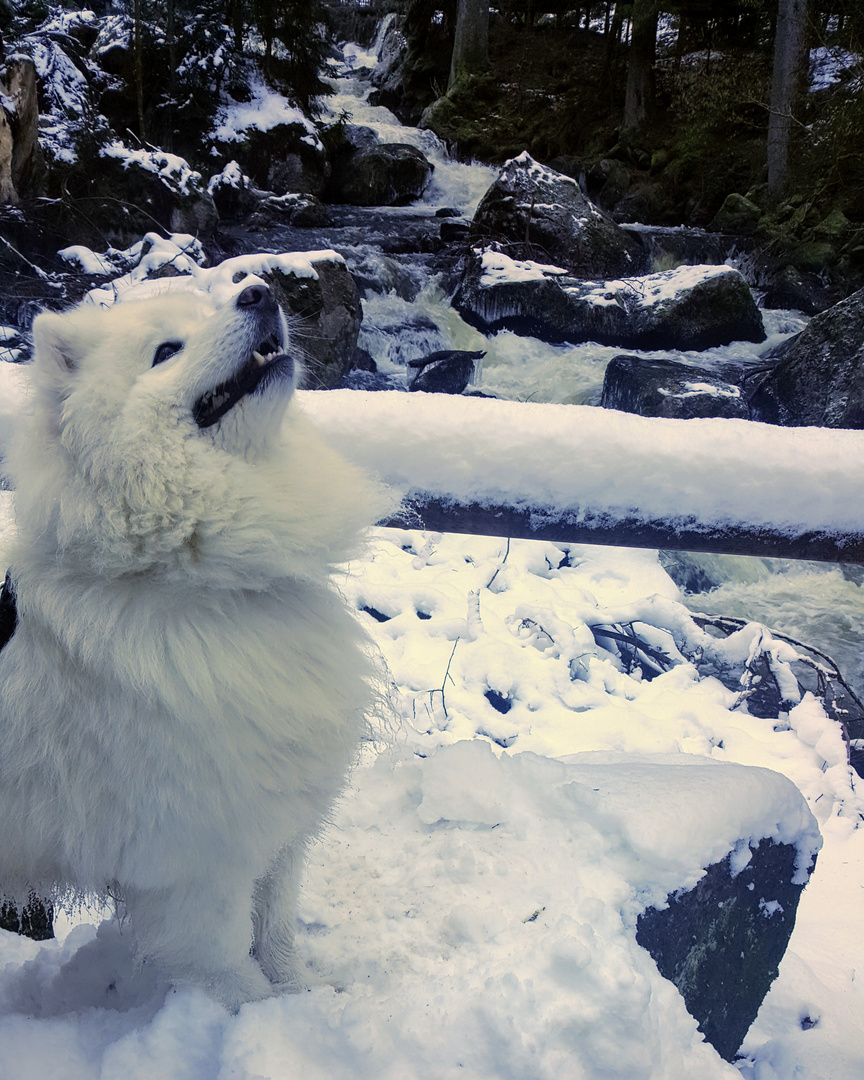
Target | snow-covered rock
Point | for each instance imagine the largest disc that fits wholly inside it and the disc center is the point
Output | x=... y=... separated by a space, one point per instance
x=272 y=139
x=692 y=307
x=162 y=185
x=232 y=192
x=534 y=207
x=721 y=942
x=237 y=197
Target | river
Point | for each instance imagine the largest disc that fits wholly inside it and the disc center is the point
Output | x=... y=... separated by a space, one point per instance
x=406 y=314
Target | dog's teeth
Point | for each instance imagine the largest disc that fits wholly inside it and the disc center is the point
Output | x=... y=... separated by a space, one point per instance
x=259 y=359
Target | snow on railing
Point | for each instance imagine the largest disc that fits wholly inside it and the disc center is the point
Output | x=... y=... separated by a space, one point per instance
x=589 y=475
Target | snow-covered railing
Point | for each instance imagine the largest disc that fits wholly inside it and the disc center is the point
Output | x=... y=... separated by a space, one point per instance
x=589 y=475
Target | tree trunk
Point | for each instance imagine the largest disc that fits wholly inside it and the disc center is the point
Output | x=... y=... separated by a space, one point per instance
x=639 y=99
x=172 y=76
x=235 y=13
x=789 y=56
x=139 y=71
x=471 y=44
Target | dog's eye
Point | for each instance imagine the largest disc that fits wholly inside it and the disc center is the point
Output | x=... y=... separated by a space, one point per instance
x=165 y=351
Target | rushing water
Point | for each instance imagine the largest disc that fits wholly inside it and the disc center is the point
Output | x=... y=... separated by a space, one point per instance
x=406 y=314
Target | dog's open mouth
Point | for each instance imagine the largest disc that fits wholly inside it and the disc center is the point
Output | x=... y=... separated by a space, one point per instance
x=266 y=361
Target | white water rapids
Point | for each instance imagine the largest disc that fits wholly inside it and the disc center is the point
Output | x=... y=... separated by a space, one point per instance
x=822 y=605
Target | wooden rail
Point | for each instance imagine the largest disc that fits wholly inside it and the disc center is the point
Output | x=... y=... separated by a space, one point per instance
x=424 y=511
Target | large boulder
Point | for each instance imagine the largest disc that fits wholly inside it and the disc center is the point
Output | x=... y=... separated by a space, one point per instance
x=819 y=380
x=783 y=285
x=326 y=313
x=237 y=198
x=737 y=216
x=384 y=174
x=719 y=932
x=274 y=143
x=666 y=387
x=233 y=193
x=693 y=307
x=721 y=942
x=543 y=210
x=151 y=185
x=285 y=160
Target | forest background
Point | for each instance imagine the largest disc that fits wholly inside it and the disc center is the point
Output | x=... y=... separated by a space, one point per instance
x=698 y=112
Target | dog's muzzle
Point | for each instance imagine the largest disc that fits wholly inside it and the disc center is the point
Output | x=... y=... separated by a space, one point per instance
x=265 y=364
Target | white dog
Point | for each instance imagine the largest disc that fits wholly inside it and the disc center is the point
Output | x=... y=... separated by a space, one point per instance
x=185 y=689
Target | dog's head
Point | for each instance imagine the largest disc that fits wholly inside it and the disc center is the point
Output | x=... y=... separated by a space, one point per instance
x=172 y=361
x=158 y=445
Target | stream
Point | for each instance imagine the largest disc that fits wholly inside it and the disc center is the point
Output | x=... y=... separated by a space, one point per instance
x=393 y=253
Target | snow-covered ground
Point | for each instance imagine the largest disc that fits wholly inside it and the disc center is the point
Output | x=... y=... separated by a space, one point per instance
x=470 y=911
x=828 y=65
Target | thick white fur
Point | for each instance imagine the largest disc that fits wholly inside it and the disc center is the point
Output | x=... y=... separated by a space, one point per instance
x=186 y=689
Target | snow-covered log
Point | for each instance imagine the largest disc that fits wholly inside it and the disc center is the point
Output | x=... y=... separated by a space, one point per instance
x=582 y=474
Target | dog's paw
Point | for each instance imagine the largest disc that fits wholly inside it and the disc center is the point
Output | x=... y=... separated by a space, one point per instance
x=237 y=987
x=290 y=979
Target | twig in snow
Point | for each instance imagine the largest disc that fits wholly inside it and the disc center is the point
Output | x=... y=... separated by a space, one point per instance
x=37 y=270
x=447 y=676
x=500 y=565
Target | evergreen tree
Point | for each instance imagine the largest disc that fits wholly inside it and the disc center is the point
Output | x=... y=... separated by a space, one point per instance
x=296 y=49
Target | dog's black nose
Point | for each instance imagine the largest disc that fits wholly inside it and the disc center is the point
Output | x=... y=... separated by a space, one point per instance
x=252 y=296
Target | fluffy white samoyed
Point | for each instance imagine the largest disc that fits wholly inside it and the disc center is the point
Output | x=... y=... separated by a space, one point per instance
x=185 y=690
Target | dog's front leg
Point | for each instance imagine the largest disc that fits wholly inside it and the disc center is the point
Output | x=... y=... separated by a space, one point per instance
x=200 y=934
x=274 y=917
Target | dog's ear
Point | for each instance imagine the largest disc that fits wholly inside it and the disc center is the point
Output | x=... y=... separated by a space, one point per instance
x=59 y=342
